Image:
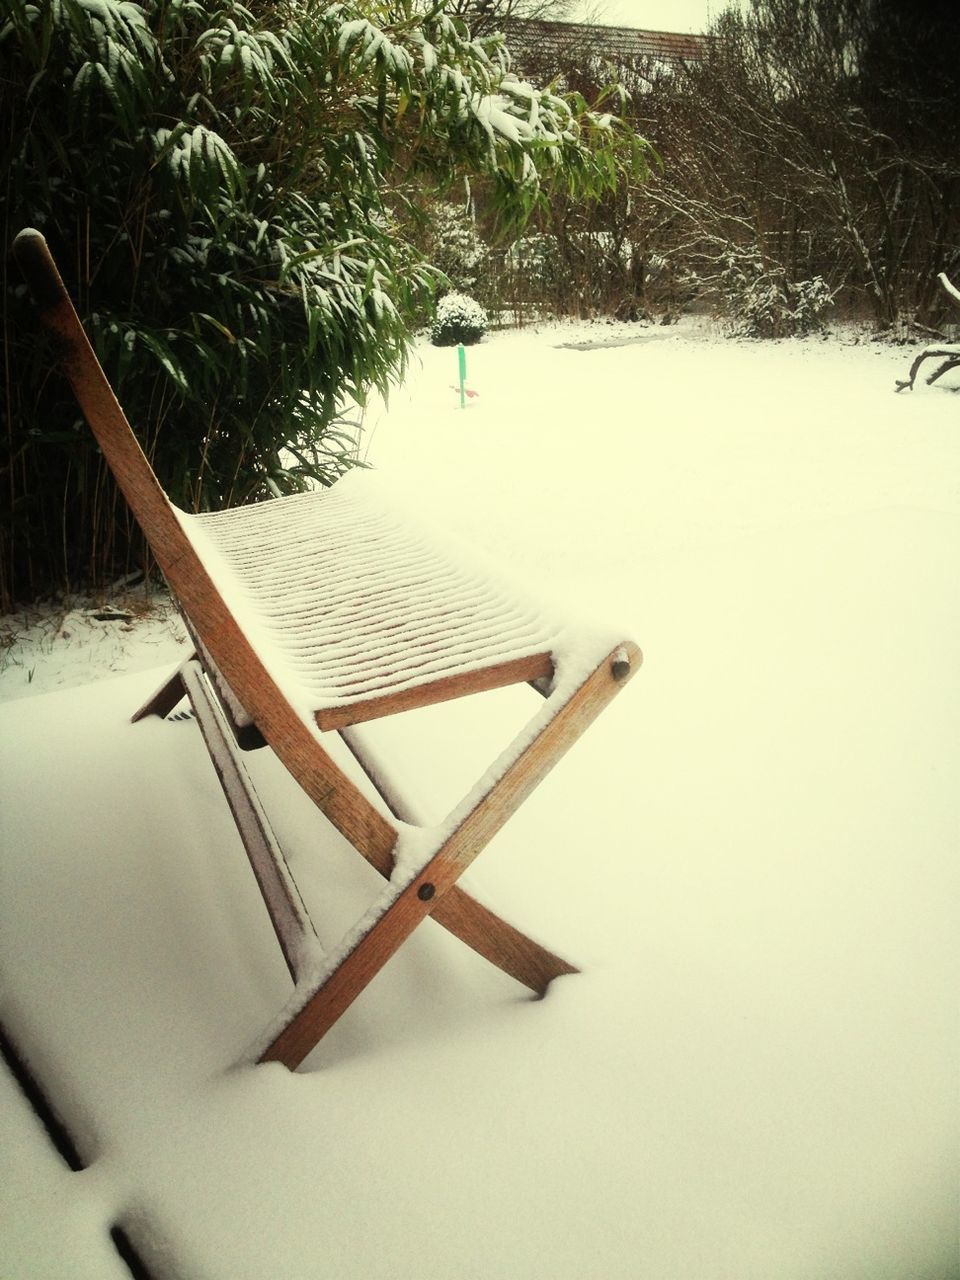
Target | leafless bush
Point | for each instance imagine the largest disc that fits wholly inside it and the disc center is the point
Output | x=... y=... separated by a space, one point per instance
x=780 y=148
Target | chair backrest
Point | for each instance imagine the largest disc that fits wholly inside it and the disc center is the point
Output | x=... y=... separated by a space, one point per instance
x=107 y=421
x=200 y=599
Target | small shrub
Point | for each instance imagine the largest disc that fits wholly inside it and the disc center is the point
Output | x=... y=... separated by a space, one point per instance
x=760 y=302
x=810 y=299
x=459 y=319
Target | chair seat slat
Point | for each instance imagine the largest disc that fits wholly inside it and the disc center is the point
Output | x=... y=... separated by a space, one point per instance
x=365 y=619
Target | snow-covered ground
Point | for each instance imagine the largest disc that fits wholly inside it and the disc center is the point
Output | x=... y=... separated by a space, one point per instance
x=751 y=856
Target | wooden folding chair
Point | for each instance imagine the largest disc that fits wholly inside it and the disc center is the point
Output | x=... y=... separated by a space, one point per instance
x=310 y=614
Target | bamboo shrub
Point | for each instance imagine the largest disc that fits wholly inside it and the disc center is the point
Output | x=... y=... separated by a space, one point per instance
x=223 y=188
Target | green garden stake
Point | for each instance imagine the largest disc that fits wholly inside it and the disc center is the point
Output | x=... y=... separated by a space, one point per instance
x=462 y=361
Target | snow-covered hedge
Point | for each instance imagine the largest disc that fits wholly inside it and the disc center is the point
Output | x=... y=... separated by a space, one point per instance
x=459 y=319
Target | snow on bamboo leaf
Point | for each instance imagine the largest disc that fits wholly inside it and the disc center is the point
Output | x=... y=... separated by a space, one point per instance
x=165 y=357
x=256 y=55
x=200 y=158
x=118 y=18
x=373 y=43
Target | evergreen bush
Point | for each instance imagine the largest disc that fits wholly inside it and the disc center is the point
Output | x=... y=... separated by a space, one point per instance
x=459 y=319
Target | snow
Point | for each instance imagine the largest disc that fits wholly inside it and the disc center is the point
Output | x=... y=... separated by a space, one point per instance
x=402 y=606
x=43 y=648
x=751 y=856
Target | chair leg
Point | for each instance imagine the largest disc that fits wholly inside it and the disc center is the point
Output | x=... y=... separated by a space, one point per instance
x=504 y=946
x=164 y=700
x=340 y=987
x=483 y=930
x=525 y=960
x=288 y=914
x=500 y=942
x=473 y=923
x=338 y=990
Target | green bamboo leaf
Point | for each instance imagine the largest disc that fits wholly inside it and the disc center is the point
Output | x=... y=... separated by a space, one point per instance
x=216 y=324
x=166 y=359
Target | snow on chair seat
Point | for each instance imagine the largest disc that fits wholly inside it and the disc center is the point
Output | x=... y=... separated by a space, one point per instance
x=362 y=609
x=311 y=614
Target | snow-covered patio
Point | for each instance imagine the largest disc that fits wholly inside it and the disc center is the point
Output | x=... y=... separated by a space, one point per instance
x=752 y=857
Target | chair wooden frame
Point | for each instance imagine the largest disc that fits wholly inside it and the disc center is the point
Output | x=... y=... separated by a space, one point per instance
x=238 y=697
